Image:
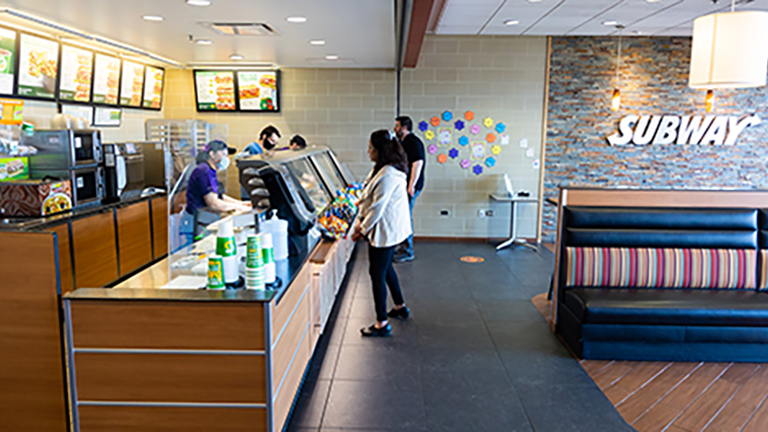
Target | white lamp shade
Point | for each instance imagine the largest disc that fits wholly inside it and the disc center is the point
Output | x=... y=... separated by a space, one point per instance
x=729 y=50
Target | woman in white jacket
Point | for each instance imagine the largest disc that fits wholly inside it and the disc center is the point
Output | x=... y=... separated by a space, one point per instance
x=384 y=220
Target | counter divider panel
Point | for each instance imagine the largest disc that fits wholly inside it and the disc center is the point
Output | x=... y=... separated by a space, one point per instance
x=285 y=350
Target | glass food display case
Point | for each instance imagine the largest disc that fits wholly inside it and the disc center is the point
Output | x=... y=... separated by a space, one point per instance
x=302 y=185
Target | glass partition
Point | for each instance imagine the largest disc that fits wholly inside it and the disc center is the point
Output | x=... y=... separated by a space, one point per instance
x=330 y=172
x=309 y=181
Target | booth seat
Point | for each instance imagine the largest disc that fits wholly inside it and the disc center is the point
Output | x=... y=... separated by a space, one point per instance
x=664 y=284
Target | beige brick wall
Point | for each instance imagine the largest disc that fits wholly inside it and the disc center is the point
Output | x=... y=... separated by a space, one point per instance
x=497 y=76
x=132 y=128
x=334 y=107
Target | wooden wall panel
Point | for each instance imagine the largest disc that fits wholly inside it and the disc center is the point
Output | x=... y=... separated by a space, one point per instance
x=283 y=310
x=65 y=257
x=32 y=386
x=95 y=250
x=291 y=384
x=286 y=345
x=160 y=226
x=134 y=237
x=151 y=419
x=171 y=378
x=171 y=325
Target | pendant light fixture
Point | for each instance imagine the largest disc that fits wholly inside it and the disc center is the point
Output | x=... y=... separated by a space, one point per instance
x=616 y=98
x=729 y=50
x=709 y=101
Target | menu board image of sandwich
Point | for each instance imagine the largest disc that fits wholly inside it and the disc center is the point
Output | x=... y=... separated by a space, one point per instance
x=76 y=74
x=106 y=79
x=153 y=87
x=132 y=84
x=215 y=90
x=7 y=60
x=38 y=66
x=258 y=91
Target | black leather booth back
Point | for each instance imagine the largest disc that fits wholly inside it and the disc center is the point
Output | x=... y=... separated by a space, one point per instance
x=661 y=228
x=762 y=225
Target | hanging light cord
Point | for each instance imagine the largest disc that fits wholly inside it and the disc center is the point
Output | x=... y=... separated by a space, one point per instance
x=618 y=56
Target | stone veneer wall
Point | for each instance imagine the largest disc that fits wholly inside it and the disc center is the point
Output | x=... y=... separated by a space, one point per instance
x=654 y=80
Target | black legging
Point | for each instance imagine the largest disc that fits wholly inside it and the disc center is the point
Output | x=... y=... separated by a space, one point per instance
x=382 y=274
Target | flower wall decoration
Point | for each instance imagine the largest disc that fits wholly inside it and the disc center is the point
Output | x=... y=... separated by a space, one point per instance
x=488 y=122
x=465 y=163
x=490 y=162
x=435 y=121
x=500 y=127
x=496 y=149
x=491 y=138
x=475 y=129
x=469 y=116
x=463 y=141
x=442 y=158
x=453 y=153
x=447 y=116
x=432 y=149
x=459 y=125
x=429 y=135
x=477 y=169
x=423 y=126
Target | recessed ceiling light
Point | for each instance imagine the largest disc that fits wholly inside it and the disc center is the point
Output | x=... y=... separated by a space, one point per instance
x=153 y=17
x=534 y=1
x=317 y=42
x=296 y=19
x=199 y=2
x=203 y=41
x=511 y=22
x=332 y=57
x=610 y=23
x=652 y=1
x=638 y=32
x=236 y=57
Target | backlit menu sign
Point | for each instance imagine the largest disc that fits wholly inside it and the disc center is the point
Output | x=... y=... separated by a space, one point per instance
x=215 y=90
x=257 y=90
x=153 y=87
x=76 y=73
x=132 y=84
x=38 y=66
x=106 y=79
x=7 y=60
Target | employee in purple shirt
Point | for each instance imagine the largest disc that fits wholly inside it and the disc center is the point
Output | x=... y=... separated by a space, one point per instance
x=203 y=187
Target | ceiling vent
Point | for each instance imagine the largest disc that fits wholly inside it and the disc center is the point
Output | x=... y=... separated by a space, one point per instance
x=242 y=29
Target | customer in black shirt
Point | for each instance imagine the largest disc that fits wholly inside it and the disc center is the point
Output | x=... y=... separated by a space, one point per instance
x=414 y=149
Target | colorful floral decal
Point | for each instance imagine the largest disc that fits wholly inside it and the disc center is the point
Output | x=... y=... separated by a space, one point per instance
x=453 y=153
x=490 y=162
x=432 y=149
x=459 y=125
x=465 y=163
x=491 y=138
x=463 y=141
x=496 y=150
x=475 y=129
x=429 y=135
x=469 y=116
x=447 y=116
x=488 y=122
x=500 y=128
x=442 y=158
x=423 y=126
x=477 y=169
x=435 y=121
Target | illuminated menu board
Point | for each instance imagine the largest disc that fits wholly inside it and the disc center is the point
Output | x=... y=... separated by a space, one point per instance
x=153 y=87
x=106 y=79
x=7 y=60
x=76 y=73
x=215 y=90
x=38 y=66
x=257 y=90
x=132 y=84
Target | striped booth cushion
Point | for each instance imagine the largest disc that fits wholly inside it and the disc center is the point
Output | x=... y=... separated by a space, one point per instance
x=762 y=276
x=661 y=268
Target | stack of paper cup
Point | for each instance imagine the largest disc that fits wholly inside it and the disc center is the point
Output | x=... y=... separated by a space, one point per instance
x=268 y=255
x=227 y=248
x=254 y=265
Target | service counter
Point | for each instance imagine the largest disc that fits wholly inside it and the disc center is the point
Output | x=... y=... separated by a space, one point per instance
x=43 y=258
x=146 y=358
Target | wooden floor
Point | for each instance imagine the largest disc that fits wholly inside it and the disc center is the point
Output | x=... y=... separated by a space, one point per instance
x=682 y=397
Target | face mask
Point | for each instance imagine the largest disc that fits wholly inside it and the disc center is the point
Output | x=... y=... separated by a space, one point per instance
x=223 y=164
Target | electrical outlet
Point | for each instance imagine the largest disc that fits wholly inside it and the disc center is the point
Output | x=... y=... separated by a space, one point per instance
x=445 y=212
x=489 y=213
x=480 y=213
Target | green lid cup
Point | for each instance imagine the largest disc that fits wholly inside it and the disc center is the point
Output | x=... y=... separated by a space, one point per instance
x=253 y=257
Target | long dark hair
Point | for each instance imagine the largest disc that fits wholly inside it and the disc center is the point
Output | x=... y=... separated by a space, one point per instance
x=389 y=151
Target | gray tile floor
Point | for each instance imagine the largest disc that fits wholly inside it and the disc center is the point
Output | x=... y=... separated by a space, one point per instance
x=475 y=355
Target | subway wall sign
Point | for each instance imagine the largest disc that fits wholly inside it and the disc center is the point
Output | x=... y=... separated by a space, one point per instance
x=680 y=130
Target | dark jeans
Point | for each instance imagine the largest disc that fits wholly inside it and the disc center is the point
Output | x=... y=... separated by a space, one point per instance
x=407 y=245
x=382 y=275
